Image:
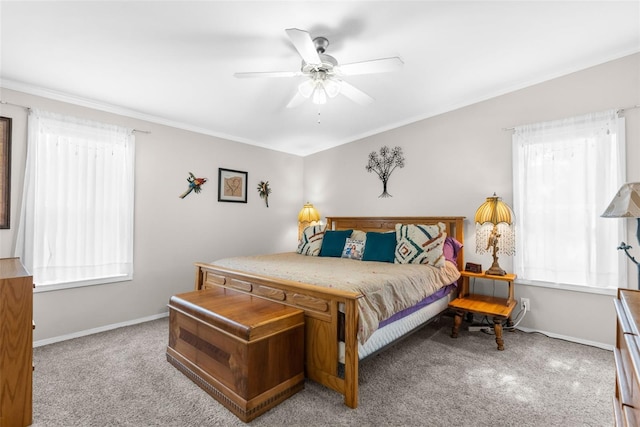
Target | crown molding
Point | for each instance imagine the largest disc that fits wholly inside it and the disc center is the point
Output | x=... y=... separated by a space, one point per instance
x=122 y=111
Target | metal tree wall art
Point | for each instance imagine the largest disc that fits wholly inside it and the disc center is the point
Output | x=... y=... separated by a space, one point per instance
x=384 y=165
x=264 y=191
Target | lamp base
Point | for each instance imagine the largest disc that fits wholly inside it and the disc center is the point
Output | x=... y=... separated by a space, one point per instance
x=495 y=272
x=495 y=269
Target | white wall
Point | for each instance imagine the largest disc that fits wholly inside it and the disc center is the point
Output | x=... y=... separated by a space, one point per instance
x=170 y=233
x=455 y=160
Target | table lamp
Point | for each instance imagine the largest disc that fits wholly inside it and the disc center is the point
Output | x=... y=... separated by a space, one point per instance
x=626 y=204
x=308 y=216
x=494 y=232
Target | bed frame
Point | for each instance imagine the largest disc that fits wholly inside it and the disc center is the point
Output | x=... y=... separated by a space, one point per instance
x=323 y=318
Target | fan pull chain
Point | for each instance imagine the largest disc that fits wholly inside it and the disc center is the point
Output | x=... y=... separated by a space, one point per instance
x=318 y=114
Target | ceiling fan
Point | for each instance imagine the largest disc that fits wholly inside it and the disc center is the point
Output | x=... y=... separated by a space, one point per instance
x=324 y=73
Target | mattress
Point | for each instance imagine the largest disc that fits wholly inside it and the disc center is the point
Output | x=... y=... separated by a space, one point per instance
x=387 y=288
x=392 y=331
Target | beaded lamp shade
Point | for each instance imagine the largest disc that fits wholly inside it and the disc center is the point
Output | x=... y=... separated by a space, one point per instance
x=494 y=231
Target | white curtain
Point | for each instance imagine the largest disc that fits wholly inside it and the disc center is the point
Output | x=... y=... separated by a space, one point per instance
x=565 y=174
x=76 y=222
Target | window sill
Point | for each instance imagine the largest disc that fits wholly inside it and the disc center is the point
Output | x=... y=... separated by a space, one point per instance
x=80 y=284
x=566 y=287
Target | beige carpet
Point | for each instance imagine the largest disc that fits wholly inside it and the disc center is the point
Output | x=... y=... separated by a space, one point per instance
x=121 y=378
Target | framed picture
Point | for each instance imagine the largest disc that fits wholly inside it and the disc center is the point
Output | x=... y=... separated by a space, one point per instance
x=5 y=171
x=232 y=186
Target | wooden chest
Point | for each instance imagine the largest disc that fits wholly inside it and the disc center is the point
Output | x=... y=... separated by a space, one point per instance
x=245 y=351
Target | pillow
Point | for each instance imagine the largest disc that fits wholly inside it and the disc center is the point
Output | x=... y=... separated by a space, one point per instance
x=380 y=247
x=358 y=235
x=311 y=240
x=353 y=249
x=451 y=248
x=420 y=244
x=333 y=242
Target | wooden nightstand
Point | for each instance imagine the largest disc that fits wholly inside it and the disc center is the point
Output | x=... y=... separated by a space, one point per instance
x=499 y=308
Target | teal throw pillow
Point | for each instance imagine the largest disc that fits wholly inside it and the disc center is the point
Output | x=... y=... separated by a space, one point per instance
x=380 y=247
x=333 y=242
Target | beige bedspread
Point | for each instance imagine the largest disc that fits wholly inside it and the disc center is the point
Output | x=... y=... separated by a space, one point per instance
x=387 y=288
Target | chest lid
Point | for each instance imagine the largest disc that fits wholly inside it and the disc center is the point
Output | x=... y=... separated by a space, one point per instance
x=246 y=316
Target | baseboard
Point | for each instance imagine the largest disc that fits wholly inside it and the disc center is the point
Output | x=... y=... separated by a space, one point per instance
x=79 y=334
x=479 y=327
x=84 y=333
x=570 y=339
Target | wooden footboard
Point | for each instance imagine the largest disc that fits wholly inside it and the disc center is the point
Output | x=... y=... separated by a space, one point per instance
x=322 y=321
x=321 y=305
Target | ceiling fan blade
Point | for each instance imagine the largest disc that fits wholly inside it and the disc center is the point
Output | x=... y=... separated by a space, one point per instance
x=296 y=100
x=267 y=74
x=304 y=45
x=383 y=65
x=355 y=94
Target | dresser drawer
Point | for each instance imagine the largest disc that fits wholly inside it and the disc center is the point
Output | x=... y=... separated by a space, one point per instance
x=630 y=416
x=626 y=402
x=632 y=365
x=618 y=420
x=627 y=359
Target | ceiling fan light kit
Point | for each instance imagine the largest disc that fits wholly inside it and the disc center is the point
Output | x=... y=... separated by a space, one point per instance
x=323 y=72
x=320 y=88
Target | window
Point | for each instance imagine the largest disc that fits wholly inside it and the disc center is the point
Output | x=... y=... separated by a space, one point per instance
x=565 y=174
x=76 y=224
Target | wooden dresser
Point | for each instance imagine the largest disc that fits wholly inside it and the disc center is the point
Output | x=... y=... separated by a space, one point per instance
x=626 y=403
x=16 y=344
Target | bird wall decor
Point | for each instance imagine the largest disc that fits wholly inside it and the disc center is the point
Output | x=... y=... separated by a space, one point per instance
x=194 y=185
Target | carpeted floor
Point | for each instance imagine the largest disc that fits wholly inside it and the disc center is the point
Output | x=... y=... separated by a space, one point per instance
x=121 y=378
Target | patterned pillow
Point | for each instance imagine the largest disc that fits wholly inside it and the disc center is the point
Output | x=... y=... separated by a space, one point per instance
x=311 y=240
x=353 y=249
x=420 y=244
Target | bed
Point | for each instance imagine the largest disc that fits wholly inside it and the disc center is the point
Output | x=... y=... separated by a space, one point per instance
x=333 y=349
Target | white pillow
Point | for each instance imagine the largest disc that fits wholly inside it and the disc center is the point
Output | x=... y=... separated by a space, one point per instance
x=311 y=240
x=359 y=235
x=353 y=249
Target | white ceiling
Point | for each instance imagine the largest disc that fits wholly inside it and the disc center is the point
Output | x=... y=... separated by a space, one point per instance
x=172 y=62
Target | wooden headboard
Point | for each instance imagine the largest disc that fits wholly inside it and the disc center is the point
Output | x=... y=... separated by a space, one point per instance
x=454 y=225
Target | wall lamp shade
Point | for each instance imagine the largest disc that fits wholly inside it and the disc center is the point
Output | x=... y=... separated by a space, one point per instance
x=626 y=204
x=307 y=216
x=494 y=231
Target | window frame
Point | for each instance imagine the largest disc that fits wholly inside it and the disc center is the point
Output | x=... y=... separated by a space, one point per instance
x=621 y=281
x=113 y=148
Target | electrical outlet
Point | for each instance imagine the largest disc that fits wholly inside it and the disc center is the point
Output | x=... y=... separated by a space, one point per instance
x=525 y=304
